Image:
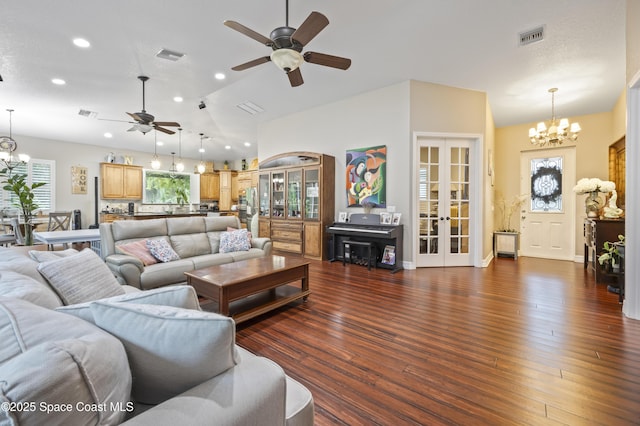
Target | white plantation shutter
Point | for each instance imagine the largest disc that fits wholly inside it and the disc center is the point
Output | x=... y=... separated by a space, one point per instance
x=37 y=171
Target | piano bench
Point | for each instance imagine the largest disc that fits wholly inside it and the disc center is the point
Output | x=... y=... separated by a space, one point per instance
x=346 y=246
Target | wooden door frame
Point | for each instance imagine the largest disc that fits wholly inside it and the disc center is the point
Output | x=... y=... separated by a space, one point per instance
x=477 y=187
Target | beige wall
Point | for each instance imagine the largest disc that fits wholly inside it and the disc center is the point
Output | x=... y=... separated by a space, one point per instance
x=387 y=116
x=633 y=38
x=592 y=156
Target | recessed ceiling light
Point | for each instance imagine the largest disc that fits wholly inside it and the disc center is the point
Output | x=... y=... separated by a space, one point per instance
x=201 y=150
x=80 y=42
x=58 y=81
x=178 y=99
x=220 y=76
x=227 y=147
x=108 y=135
x=247 y=144
x=159 y=143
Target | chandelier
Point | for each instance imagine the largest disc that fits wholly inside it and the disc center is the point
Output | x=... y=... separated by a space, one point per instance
x=7 y=147
x=557 y=132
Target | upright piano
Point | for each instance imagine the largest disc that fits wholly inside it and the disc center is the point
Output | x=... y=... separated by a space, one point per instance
x=387 y=239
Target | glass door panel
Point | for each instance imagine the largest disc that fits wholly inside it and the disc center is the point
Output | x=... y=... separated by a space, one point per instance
x=429 y=184
x=459 y=199
x=277 y=194
x=312 y=194
x=294 y=194
x=264 y=195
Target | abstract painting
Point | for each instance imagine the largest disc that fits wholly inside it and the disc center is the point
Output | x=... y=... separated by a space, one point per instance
x=366 y=177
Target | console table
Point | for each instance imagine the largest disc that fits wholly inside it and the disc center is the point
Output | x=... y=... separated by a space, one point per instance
x=596 y=232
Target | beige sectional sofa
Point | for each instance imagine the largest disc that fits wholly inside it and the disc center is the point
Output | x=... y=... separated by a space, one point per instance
x=137 y=358
x=196 y=240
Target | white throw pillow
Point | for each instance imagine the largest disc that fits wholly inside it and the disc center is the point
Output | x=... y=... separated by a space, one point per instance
x=170 y=350
x=45 y=256
x=178 y=296
x=80 y=278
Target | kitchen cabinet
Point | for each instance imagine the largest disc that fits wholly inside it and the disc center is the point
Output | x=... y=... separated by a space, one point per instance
x=121 y=181
x=296 y=198
x=210 y=186
x=228 y=182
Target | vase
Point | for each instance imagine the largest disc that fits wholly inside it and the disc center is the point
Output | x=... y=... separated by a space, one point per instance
x=593 y=203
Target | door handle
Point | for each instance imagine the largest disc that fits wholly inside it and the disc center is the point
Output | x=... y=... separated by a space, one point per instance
x=441 y=218
x=448 y=218
x=523 y=217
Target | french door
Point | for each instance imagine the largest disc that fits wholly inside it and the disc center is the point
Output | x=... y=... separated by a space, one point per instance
x=444 y=202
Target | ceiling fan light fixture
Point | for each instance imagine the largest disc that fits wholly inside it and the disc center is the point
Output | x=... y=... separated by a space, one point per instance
x=287 y=59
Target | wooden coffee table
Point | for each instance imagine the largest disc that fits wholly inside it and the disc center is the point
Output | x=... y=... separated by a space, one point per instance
x=255 y=286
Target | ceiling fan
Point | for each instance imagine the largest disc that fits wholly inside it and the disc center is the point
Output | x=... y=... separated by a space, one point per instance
x=287 y=44
x=144 y=122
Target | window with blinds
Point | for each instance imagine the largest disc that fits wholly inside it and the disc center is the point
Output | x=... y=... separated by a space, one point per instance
x=36 y=171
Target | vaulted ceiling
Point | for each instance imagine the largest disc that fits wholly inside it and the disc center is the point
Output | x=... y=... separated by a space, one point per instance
x=463 y=43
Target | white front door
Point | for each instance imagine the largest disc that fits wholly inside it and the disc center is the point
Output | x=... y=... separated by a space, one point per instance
x=444 y=202
x=547 y=217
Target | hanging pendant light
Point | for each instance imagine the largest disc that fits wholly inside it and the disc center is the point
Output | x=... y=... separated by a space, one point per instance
x=155 y=161
x=173 y=169
x=7 y=147
x=180 y=164
x=556 y=132
x=201 y=166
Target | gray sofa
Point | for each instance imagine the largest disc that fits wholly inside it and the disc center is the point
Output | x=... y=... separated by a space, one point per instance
x=196 y=240
x=113 y=360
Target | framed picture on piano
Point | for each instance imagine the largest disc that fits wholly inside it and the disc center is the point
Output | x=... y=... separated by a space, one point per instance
x=342 y=217
x=389 y=255
x=396 y=218
x=385 y=218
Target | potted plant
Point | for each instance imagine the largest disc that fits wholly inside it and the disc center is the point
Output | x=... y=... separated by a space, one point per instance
x=609 y=260
x=505 y=238
x=17 y=184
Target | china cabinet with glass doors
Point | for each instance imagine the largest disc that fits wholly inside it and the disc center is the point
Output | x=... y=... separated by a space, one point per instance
x=296 y=197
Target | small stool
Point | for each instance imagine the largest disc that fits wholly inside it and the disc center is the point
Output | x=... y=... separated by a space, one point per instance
x=346 y=245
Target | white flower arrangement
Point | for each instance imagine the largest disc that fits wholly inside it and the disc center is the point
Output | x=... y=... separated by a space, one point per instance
x=586 y=185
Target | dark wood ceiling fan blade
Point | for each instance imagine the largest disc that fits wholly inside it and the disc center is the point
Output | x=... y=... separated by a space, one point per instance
x=252 y=63
x=327 y=60
x=166 y=123
x=162 y=129
x=134 y=116
x=119 y=121
x=248 y=32
x=295 y=77
x=310 y=28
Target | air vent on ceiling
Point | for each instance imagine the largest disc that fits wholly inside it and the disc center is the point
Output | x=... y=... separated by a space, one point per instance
x=87 y=113
x=532 y=36
x=250 y=108
x=169 y=54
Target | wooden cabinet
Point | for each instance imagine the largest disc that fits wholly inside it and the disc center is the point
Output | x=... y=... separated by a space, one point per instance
x=246 y=180
x=210 y=186
x=121 y=181
x=596 y=232
x=296 y=198
x=227 y=184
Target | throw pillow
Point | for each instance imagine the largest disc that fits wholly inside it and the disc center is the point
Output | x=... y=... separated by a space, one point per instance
x=45 y=256
x=178 y=296
x=162 y=250
x=230 y=229
x=234 y=241
x=138 y=249
x=170 y=350
x=80 y=278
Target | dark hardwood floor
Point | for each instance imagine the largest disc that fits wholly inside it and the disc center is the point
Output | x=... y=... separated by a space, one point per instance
x=531 y=341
